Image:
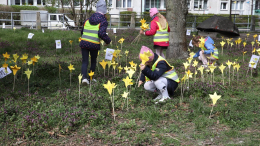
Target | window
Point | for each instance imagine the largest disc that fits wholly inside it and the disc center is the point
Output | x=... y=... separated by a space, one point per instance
x=124 y=3
x=17 y=2
x=39 y=2
x=53 y=17
x=188 y=4
x=200 y=4
x=30 y=2
x=153 y=3
x=237 y=5
x=110 y=3
x=223 y=6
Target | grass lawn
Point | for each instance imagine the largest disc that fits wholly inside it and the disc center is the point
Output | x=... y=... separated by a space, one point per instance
x=53 y=114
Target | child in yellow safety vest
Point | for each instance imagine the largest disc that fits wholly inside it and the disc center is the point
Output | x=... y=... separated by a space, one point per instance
x=207 y=52
x=159 y=75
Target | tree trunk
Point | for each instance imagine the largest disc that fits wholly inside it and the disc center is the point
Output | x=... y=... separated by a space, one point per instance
x=176 y=11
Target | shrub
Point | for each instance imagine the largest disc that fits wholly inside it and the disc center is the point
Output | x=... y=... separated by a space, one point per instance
x=17 y=8
x=51 y=9
x=127 y=17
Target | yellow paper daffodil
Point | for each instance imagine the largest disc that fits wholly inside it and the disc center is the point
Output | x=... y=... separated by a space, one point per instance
x=253 y=51
x=144 y=58
x=80 y=40
x=121 y=40
x=34 y=59
x=6 y=56
x=186 y=64
x=252 y=63
x=222 y=43
x=201 y=69
x=189 y=59
x=144 y=26
x=28 y=73
x=60 y=67
x=214 y=97
x=114 y=64
x=229 y=64
x=37 y=57
x=24 y=58
x=148 y=53
x=255 y=36
x=103 y=64
x=244 y=43
x=258 y=51
x=109 y=64
x=126 y=68
x=30 y=62
x=222 y=67
x=109 y=87
x=212 y=68
x=192 y=54
x=125 y=94
x=71 y=67
x=252 y=43
x=120 y=68
x=195 y=63
x=247 y=35
x=132 y=63
x=127 y=81
x=15 y=57
x=5 y=66
x=130 y=73
x=126 y=52
x=15 y=69
x=244 y=52
x=80 y=77
x=91 y=74
x=71 y=41
x=237 y=67
x=142 y=21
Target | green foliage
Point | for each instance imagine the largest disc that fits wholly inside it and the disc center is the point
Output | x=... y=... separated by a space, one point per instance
x=51 y=9
x=18 y=8
x=126 y=16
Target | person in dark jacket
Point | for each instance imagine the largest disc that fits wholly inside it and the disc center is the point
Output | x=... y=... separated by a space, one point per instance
x=93 y=30
x=159 y=75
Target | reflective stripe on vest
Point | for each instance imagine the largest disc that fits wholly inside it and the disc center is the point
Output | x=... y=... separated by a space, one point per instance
x=171 y=74
x=161 y=35
x=215 y=55
x=90 y=33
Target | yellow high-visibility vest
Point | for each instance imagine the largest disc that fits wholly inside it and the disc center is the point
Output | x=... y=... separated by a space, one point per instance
x=161 y=35
x=90 y=33
x=170 y=74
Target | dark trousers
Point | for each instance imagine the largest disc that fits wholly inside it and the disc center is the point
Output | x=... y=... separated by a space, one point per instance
x=85 y=59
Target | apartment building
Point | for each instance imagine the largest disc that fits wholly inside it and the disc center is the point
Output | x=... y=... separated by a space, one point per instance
x=241 y=7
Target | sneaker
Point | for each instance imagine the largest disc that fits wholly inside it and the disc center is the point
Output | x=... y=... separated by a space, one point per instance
x=158 y=97
x=163 y=99
x=85 y=82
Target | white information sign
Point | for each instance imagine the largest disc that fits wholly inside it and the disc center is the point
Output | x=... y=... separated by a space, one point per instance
x=188 y=32
x=190 y=44
x=42 y=30
x=258 y=38
x=109 y=53
x=254 y=59
x=58 y=44
x=3 y=72
x=3 y=25
x=114 y=30
x=30 y=35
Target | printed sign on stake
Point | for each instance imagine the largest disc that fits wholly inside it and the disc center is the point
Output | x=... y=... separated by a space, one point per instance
x=3 y=72
x=188 y=32
x=258 y=38
x=190 y=44
x=114 y=30
x=42 y=30
x=109 y=54
x=3 y=25
x=254 y=59
x=58 y=44
x=30 y=35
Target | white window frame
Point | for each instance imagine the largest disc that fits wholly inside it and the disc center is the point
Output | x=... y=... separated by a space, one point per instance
x=221 y=5
x=238 y=5
x=126 y=2
x=111 y=6
x=200 y=2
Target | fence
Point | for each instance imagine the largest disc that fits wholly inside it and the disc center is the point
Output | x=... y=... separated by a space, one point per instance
x=121 y=21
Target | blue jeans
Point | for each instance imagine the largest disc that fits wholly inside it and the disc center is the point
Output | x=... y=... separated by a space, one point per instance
x=85 y=59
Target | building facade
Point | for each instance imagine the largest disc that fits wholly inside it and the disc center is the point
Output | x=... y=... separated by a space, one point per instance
x=241 y=7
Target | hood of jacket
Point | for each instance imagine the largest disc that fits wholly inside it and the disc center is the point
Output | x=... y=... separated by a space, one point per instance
x=96 y=18
x=209 y=40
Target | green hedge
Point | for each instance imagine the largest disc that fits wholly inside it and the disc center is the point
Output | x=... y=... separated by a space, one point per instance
x=202 y=17
x=17 y=8
x=126 y=17
x=51 y=9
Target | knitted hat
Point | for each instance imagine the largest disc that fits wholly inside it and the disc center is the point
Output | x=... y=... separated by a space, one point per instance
x=101 y=7
x=153 y=11
x=145 y=49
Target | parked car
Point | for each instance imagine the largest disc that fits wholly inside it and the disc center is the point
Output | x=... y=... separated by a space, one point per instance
x=49 y=20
